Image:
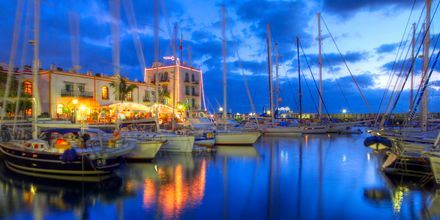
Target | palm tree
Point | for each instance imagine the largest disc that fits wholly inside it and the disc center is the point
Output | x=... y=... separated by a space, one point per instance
x=122 y=89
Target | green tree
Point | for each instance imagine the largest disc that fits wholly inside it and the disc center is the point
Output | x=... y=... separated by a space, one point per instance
x=122 y=89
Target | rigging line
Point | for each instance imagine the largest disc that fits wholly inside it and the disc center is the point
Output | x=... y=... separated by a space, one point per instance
x=391 y=74
x=337 y=83
x=310 y=91
x=129 y=11
x=167 y=22
x=399 y=81
x=346 y=65
x=425 y=84
x=420 y=90
x=240 y=63
x=418 y=50
x=311 y=73
x=12 y=56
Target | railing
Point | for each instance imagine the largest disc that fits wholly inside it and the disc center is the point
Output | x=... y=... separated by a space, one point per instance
x=146 y=99
x=76 y=93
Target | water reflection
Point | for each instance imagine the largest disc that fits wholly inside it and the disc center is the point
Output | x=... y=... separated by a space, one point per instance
x=305 y=177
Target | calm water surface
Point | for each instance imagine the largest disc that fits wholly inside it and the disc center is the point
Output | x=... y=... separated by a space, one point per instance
x=305 y=177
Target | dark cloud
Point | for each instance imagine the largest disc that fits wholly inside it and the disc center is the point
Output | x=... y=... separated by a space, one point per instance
x=387 y=48
x=346 y=8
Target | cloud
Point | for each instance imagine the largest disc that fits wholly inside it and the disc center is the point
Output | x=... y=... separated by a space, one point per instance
x=347 y=8
x=387 y=48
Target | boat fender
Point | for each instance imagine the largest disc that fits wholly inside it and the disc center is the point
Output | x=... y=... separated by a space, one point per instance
x=69 y=155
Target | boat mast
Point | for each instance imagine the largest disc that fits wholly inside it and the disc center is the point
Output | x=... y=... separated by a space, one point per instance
x=413 y=44
x=176 y=72
x=269 y=63
x=424 y=106
x=277 y=82
x=299 y=80
x=225 y=109
x=156 y=60
x=320 y=66
x=36 y=68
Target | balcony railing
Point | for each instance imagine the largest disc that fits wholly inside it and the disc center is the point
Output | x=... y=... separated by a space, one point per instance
x=146 y=99
x=76 y=93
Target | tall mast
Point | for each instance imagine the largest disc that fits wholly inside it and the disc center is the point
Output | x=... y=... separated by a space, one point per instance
x=299 y=80
x=277 y=82
x=176 y=72
x=36 y=68
x=320 y=66
x=156 y=59
x=424 y=106
x=269 y=63
x=225 y=109
x=413 y=43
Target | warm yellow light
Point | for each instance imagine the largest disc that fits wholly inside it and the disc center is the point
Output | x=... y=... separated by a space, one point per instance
x=179 y=106
x=268 y=112
x=75 y=101
x=82 y=108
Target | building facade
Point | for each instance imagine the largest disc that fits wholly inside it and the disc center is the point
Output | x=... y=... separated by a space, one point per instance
x=179 y=81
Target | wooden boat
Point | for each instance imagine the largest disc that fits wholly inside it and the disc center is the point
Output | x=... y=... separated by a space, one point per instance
x=67 y=154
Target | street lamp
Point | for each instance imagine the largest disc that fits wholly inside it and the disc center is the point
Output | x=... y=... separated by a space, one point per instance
x=220 y=109
x=344 y=111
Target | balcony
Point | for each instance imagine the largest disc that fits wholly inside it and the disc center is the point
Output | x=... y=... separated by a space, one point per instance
x=70 y=93
x=195 y=82
x=146 y=99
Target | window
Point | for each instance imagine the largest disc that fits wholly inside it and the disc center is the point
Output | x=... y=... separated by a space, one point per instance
x=186 y=77
x=129 y=96
x=165 y=77
x=60 y=108
x=81 y=87
x=27 y=87
x=105 y=93
x=187 y=91
x=193 y=103
x=193 y=78
x=69 y=87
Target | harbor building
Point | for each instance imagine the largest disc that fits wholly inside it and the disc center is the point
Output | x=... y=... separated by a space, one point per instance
x=187 y=81
x=63 y=93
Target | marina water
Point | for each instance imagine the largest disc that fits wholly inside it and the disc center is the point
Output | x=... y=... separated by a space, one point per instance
x=302 y=177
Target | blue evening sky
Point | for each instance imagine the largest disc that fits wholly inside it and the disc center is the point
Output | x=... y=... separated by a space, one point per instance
x=367 y=32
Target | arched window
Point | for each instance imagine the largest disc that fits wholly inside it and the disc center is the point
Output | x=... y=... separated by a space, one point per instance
x=165 y=77
x=104 y=92
x=186 y=77
x=27 y=87
x=193 y=78
x=129 y=96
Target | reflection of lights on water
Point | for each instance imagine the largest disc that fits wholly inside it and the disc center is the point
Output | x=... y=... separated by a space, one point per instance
x=368 y=157
x=398 y=198
x=33 y=189
x=155 y=168
x=284 y=156
x=344 y=158
x=149 y=193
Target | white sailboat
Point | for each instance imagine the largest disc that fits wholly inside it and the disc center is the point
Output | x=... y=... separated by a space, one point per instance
x=227 y=136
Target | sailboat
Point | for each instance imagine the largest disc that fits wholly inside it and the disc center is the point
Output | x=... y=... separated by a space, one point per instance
x=64 y=154
x=228 y=136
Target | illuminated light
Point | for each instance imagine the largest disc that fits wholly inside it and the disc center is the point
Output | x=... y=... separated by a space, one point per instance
x=179 y=106
x=220 y=109
x=149 y=193
x=368 y=157
x=344 y=158
x=82 y=108
x=344 y=111
x=268 y=112
x=33 y=189
x=75 y=101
